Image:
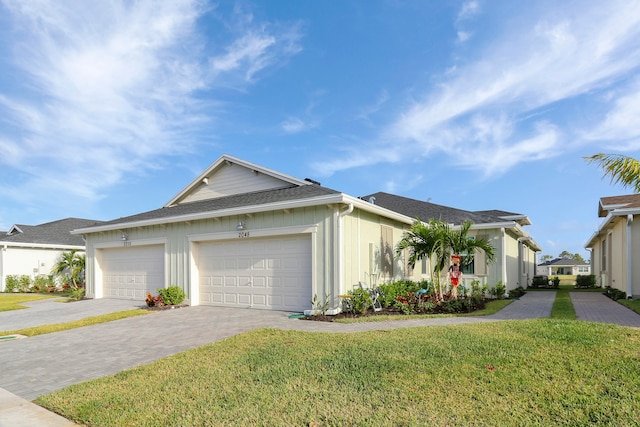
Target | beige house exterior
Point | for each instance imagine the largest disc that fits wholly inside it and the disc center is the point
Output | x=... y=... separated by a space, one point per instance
x=615 y=246
x=242 y=235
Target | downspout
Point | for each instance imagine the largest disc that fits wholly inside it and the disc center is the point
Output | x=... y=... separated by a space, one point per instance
x=504 y=256
x=521 y=271
x=2 y=277
x=340 y=250
x=629 y=263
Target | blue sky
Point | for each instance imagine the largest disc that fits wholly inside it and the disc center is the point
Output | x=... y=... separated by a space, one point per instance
x=109 y=109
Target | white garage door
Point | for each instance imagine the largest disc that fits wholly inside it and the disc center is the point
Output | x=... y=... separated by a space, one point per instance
x=129 y=273
x=269 y=273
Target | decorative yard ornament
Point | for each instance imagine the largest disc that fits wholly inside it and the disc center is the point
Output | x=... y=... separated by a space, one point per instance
x=455 y=275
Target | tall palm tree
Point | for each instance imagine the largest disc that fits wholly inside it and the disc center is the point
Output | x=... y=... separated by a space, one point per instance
x=622 y=169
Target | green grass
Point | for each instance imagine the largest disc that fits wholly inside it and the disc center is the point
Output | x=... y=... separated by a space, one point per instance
x=513 y=373
x=562 y=306
x=14 y=301
x=633 y=304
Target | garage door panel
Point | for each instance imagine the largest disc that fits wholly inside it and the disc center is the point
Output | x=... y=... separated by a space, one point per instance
x=129 y=273
x=270 y=273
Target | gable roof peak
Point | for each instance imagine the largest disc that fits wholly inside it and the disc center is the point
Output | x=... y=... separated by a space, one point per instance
x=227 y=160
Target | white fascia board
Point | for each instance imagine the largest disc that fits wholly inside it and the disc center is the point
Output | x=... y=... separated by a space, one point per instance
x=607 y=220
x=40 y=246
x=227 y=158
x=625 y=212
x=339 y=198
x=375 y=209
x=520 y=217
x=291 y=204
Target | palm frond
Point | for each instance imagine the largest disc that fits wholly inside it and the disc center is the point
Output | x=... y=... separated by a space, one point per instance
x=621 y=169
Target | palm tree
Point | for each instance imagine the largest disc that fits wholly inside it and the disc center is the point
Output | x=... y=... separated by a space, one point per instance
x=422 y=240
x=622 y=169
x=462 y=245
x=438 y=241
x=71 y=263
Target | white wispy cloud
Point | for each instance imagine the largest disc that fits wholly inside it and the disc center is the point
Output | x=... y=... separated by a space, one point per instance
x=620 y=129
x=521 y=71
x=109 y=88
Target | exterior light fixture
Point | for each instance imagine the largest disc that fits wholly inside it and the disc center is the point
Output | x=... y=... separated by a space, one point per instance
x=240 y=226
x=124 y=237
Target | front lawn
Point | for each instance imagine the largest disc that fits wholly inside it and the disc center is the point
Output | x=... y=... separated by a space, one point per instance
x=512 y=373
x=14 y=301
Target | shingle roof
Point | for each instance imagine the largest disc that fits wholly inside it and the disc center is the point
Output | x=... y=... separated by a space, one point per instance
x=52 y=233
x=426 y=210
x=563 y=262
x=626 y=201
x=238 y=200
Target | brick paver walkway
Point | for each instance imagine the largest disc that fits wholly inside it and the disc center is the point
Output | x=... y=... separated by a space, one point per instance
x=595 y=307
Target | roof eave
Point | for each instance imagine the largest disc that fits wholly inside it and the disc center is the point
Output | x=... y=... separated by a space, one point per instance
x=242 y=210
x=40 y=245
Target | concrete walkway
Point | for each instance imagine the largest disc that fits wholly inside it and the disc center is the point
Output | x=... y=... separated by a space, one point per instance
x=105 y=349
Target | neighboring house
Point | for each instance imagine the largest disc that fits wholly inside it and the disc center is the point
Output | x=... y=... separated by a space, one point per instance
x=33 y=250
x=615 y=246
x=563 y=266
x=243 y=235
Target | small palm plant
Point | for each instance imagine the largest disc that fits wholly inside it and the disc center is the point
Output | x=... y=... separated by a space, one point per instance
x=72 y=263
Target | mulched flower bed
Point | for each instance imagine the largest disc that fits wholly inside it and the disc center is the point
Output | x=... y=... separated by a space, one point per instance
x=165 y=307
x=370 y=313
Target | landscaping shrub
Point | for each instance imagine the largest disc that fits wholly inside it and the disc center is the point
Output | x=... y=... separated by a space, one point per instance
x=500 y=290
x=360 y=300
x=517 y=292
x=391 y=290
x=42 y=283
x=478 y=291
x=173 y=295
x=17 y=283
x=588 y=281
x=556 y=282
x=76 y=294
x=615 y=294
x=539 y=282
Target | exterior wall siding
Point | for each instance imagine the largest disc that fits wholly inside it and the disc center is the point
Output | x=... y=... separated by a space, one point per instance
x=27 y=261
x=233 y=180
x=177 y=247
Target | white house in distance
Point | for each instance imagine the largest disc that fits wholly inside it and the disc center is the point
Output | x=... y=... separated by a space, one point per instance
x=615 y=246
x=242 y=235
x=563 y=266
x=33 y=250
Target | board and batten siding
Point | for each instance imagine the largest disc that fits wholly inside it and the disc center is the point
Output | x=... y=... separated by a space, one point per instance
x=232 y=179
x=363 y=251
x=177 y=244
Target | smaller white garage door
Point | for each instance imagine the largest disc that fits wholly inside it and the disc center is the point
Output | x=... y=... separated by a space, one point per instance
x=129 y=273
x=270 y=273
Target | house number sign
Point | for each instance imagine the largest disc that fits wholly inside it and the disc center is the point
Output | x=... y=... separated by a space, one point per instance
x=126 y=243
x=243 y=234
